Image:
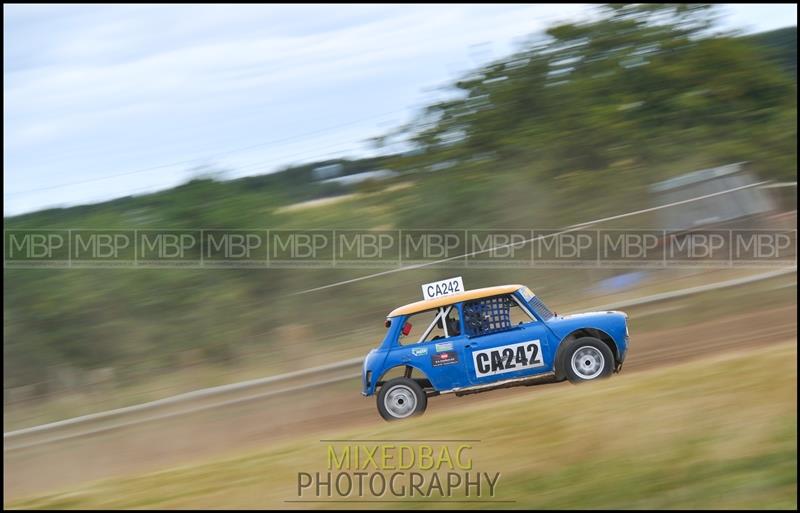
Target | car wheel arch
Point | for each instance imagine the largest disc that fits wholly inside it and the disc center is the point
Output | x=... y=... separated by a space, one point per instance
x=409 y=369
x=579 y=333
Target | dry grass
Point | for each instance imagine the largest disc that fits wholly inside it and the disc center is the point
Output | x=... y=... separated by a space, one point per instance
x=716 y=433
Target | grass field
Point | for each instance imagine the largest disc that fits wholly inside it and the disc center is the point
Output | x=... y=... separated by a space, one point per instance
x=715 y=433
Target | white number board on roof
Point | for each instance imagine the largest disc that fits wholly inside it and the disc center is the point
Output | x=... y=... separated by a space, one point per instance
x=446 y=287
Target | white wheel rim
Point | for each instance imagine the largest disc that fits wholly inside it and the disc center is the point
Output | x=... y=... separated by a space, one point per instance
x=400 y=401
x=588 y=362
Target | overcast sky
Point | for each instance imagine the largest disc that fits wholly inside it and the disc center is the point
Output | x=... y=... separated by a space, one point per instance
x=105 y=101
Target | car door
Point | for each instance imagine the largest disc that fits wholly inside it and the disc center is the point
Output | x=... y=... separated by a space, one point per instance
x=498 y=346
x=435 y=350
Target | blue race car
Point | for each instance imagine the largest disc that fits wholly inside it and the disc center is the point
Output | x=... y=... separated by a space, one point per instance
x=465 y=342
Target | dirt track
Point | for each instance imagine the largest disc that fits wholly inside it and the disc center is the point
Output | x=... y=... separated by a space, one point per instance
x=315 y=413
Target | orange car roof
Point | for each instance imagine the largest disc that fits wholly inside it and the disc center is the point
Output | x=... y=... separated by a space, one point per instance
x=428 y=304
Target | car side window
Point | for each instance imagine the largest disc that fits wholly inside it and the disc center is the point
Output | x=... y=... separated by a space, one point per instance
x=431 y=325
x=519 y=315
x=493 y=314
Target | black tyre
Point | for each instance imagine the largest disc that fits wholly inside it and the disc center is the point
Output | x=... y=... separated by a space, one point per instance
x=587 y=359
x=401 y=398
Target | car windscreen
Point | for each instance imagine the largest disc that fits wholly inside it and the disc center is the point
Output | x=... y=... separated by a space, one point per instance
x=539 y=308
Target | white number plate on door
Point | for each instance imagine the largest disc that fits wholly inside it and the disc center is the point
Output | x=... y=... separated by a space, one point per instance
x=510 y=358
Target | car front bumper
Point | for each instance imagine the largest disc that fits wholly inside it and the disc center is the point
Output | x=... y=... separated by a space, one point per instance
x=622 y=355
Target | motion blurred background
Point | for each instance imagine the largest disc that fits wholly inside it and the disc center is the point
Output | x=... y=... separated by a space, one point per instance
x=580 y=120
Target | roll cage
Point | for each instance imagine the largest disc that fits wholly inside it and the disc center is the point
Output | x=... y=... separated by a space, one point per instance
x=476 y=317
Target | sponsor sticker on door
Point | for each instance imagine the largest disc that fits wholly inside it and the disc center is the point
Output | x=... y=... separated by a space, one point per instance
x=444 y=346
x=509 y=358
x=445 y=358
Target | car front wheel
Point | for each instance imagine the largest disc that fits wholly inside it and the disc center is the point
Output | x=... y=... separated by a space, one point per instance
x=401 y=398
x=587 y=359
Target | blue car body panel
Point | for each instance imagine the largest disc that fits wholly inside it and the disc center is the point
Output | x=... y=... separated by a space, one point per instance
x=463 y=361
x=612 y=323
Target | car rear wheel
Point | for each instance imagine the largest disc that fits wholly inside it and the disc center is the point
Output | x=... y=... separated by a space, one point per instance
x=587 y=359
x=401 y=398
